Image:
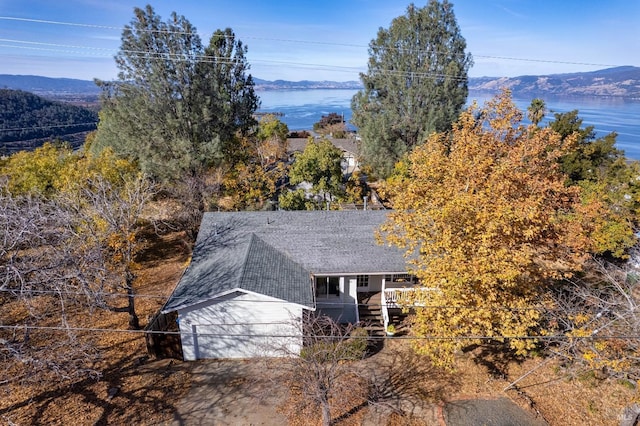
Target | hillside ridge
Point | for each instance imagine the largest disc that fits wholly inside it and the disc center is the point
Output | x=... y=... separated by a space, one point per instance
x=26 y=120
x=623 y=81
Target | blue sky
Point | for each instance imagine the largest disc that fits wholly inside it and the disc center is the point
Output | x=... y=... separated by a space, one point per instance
x=325 y=40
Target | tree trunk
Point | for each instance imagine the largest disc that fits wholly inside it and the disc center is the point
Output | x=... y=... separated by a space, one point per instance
x=326 y=414
x=134 y=322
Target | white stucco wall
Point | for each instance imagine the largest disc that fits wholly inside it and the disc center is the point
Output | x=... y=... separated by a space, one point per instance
x=241 y=325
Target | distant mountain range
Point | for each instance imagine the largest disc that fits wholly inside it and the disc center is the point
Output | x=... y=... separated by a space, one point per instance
x=305 y=85
x=616 y=82
x=44 y=86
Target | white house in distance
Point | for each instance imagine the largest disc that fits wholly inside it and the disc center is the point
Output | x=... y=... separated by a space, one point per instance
x=347 y=146
x=254 y=275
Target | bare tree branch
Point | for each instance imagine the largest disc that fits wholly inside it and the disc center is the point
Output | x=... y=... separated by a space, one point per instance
x=596 y=319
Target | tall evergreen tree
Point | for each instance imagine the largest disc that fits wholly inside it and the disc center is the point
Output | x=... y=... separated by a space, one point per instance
x=175 y=106
x=416 y=83
x=224 y=91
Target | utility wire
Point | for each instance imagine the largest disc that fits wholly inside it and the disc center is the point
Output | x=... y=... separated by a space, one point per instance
x=318 y=301
x=70 y=24
x=502 y=308
x=314 y=42
x=15 y=129
x=283 y=335
x=225 y=61
x=179 y=57
x=203 y=59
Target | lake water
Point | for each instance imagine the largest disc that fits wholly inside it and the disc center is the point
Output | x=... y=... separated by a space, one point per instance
x=302 y=108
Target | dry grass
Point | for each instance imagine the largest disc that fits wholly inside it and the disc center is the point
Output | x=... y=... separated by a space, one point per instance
x=547 y=391
x=413 y=393
x=348 y=401
x=131 y=389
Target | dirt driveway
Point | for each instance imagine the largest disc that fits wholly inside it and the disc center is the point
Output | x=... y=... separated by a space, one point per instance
x=231 y=393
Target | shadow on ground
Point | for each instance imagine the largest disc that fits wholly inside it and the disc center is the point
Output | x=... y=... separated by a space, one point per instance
x=231 y=392
x=488 y=412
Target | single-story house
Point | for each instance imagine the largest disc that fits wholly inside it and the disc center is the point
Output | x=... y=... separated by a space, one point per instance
x=253 y=276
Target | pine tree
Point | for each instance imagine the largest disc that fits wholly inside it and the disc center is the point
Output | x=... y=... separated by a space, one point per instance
x=176 y=106
x=416 y=83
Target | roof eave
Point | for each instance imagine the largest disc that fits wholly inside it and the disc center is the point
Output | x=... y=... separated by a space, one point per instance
x=233 y=290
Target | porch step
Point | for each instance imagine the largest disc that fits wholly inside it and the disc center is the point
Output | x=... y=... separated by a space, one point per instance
x=370 y=312
x=375 y=330
x=370 y=317
x=371 y=322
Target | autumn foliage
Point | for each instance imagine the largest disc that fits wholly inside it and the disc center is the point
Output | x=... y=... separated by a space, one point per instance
x=488 y=223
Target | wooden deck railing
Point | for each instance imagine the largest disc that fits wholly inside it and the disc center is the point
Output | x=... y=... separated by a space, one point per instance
x=404 y=297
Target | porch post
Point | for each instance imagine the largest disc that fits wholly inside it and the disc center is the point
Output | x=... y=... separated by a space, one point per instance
x=383 y=303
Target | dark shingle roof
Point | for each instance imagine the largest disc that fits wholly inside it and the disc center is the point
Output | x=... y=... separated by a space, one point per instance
x=275 y=253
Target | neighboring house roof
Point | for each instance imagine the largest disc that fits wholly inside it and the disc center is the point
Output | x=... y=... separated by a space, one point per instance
x=296 y=144
x=348 y=145
x=299 y=144
x=276 y=253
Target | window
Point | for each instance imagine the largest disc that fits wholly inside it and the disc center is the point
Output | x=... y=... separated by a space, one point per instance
x=327 y=286
x=362 y=280
x=400 y=278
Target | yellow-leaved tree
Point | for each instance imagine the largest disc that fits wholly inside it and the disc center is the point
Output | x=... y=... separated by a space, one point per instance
x=37 y=171
x=488 y=222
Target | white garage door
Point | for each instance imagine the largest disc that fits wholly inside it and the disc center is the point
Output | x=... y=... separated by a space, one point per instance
x=243 y=326
x=237 y=341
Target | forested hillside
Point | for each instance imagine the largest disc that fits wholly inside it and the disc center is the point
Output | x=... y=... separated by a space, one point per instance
x=25 y=119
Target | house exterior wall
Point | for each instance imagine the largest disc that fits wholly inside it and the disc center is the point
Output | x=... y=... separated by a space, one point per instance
x=240 y=325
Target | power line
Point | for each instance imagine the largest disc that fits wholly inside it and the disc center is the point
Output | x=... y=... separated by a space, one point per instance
x=226 y=61
x=314 y=42
x=501 y=308
x=319 y=336
x=43 y=21
x=40 y=43
x=321 y=302
x=15 y=129
x=49 y=50
x=549 y=61
x=71 y=24
x=200 y=58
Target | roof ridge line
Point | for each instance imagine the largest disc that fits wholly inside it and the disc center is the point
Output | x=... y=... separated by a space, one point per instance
x=282 y=253
x=252 y=237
